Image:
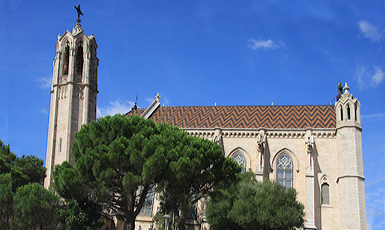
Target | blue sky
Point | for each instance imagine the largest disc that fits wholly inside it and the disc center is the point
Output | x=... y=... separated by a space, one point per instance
x=202 y=53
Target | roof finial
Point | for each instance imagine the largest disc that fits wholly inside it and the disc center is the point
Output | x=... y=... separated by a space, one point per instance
x=346 y=88
x=79 y=13
x=157 y=97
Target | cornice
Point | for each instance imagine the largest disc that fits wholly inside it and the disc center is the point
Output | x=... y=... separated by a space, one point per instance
x=270 y=133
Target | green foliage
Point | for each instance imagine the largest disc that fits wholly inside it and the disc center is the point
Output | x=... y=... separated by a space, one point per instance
x=252 y=205
x=6 y=158
x=197 y=166
x=118 y=159
x=6 y=201
x=114 y=158
x=75 y=217
x=35 y=207
x=23 y=200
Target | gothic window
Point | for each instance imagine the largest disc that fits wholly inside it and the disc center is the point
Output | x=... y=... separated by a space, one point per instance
x=285 y=171
x=240 y=159
x=66 y=59
x=325 y=194
x=148 y=203
x=342 y=113
x=79 y=60
x=348 y=111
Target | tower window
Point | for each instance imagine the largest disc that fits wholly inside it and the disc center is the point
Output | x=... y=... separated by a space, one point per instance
x=355 y=111
x=66 y=59
x=285 y=171
x=325 y=193
x=342 y=113
x=348 y=111
x=79 y=60
x=240 y=160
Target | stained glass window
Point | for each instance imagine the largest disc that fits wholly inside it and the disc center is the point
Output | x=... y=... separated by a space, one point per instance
x=285 y=171
x=240 y=159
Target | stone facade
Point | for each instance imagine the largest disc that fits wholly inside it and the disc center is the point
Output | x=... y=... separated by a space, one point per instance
x=321 y=143
x=73 y=94
x=315 y=149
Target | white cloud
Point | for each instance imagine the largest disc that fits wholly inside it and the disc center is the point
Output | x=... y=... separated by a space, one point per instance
x=264 y=44
x=378 y=76
x=370 y=31
x=114 y=107
x=44 y=82
x=375 y=208
x=44 y=111
x=367 y=78
x=378 y=180
x=149 y=100
x=375 y=116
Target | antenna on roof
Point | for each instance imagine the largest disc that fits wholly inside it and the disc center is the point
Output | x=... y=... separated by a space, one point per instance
x=339 y=93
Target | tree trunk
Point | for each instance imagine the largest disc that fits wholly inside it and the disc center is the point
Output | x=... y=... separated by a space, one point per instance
x=182 y=222
x=129 y=225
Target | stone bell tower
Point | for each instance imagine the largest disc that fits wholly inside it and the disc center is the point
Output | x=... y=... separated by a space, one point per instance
x=73 y=94
x=350 y=180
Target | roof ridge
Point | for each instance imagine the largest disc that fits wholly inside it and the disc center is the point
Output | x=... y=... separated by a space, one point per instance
x=237 y=105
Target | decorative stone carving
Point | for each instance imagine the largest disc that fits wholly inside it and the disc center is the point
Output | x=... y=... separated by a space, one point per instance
x=216 y=138
x=309 y=143
x=261 y=142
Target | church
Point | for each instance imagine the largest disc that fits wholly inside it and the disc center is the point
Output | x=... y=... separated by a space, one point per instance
x=315 y=149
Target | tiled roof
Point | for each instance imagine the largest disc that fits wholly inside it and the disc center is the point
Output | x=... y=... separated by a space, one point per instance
x=283 y=117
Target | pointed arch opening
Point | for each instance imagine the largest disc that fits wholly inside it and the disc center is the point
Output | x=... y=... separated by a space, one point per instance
x=66 y=58
x=285 y=170
x=241 y=157
x=79 y=60
x=325 y=193
x=348 y=111
x=284 y=167
x=341 y=113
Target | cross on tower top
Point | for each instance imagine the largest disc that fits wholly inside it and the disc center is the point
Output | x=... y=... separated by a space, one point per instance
x=79 y=13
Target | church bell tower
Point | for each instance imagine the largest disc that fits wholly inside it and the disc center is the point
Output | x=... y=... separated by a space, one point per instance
x=350 y=180
x=73 y=94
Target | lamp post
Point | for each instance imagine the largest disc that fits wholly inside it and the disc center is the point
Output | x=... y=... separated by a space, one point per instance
x=166 y=218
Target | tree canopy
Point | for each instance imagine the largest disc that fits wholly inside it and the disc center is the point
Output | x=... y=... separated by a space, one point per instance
x=252 y=205
x=35 y=208
x=118 y=159
x=24 y=203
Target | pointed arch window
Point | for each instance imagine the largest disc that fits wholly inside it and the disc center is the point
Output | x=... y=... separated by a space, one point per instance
x=79 y=59
x=285 y=171
x=66 y=59
x=240 y=159
x=348 y=111
x=342 y=113
x=325 y=194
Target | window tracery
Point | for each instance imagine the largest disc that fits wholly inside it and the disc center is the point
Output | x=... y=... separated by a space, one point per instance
x=285 y=171
x=240 y=159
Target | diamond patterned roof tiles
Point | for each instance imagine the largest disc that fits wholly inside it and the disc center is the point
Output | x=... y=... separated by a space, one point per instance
x=281 y=117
